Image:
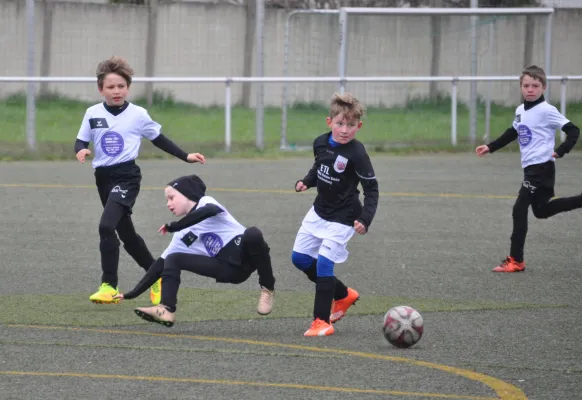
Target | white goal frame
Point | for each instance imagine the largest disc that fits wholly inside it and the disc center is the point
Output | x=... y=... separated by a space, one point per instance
x=343 y=26
x=344 y=12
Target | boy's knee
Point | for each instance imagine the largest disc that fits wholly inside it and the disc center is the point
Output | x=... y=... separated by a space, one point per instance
x=253 y=235
x=106 y=229
x=324 y=267
x=523 y=201
x=108 y=239
x=520 y=208
x=301 y=261
x=540 y=212
x=253 y=240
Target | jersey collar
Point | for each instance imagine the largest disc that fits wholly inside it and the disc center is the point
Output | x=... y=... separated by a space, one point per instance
x=116 y=110
x=527 y=105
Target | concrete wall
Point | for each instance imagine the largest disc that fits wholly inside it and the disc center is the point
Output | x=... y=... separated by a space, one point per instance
x=209 y=40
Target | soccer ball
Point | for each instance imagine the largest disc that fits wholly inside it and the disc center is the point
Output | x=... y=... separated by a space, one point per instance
x=403 y=326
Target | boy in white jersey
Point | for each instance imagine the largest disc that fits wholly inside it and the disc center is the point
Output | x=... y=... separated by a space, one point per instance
x=208 y=241
x=535 y=127
x=116 y=128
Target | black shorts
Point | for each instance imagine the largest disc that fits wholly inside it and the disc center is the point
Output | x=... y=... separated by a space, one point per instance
x=540 y=178
x=119 y=183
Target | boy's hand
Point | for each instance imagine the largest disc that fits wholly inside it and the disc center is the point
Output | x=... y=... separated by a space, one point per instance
x=555 y=155
x=82 y=154
x=300 y=186
x=196 y=158
x=482 y=150
x=163 y=230
x=118 y=296
x=359 y=227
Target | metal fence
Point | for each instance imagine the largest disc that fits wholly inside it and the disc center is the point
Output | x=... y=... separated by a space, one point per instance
x=259 y=54
x=229 y=81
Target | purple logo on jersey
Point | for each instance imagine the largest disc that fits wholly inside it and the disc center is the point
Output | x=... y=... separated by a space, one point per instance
x=112 y=143
x=212 y=243
x=524 y=135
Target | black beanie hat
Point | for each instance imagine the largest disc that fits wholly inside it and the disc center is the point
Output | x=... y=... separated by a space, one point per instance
x=190 y=186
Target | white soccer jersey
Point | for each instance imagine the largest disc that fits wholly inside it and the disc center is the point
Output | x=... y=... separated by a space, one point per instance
x=536 y=132
x=207 y=237
x=116 y=138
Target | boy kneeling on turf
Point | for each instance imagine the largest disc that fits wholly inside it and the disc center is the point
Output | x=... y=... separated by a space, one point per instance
x=207 y=241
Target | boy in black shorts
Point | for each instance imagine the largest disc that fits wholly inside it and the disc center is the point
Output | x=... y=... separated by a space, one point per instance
x=116 y=129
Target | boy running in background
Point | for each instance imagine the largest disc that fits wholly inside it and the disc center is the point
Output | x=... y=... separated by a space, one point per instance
x=208 y=241
x=341 y=163
x=116 y=128
x=535 y=127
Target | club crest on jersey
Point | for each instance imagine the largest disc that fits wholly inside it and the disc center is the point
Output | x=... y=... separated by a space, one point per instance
x=518 y=118
x=340 y=164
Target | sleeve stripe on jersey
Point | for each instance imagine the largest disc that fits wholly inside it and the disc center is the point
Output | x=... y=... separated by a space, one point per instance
x=365 y=177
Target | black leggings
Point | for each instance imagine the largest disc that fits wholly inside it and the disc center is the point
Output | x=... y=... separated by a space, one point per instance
x=542 y=207
x=117 y=217
x=254 y=253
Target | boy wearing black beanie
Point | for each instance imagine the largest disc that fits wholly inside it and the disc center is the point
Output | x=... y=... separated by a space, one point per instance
x=207 y=241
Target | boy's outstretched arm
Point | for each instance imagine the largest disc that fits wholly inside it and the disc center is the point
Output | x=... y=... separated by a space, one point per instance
x=153 y=274
x=164 y=143
x=572 y=134
x=507 y=137
x=200 y=214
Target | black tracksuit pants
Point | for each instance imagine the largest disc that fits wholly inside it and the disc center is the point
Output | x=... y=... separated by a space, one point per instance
x=537 y=191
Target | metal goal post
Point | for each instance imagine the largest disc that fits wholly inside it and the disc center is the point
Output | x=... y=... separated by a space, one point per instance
x=343 y=27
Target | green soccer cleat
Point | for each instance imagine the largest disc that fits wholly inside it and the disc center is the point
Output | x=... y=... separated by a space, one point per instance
x=105 y=295
x=156 y=292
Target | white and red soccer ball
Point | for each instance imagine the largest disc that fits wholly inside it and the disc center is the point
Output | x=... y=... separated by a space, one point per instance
x=403 y=326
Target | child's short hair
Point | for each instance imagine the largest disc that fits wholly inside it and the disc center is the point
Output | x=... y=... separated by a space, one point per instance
x=535 y=72
x=346 y=104
x=114 y=65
